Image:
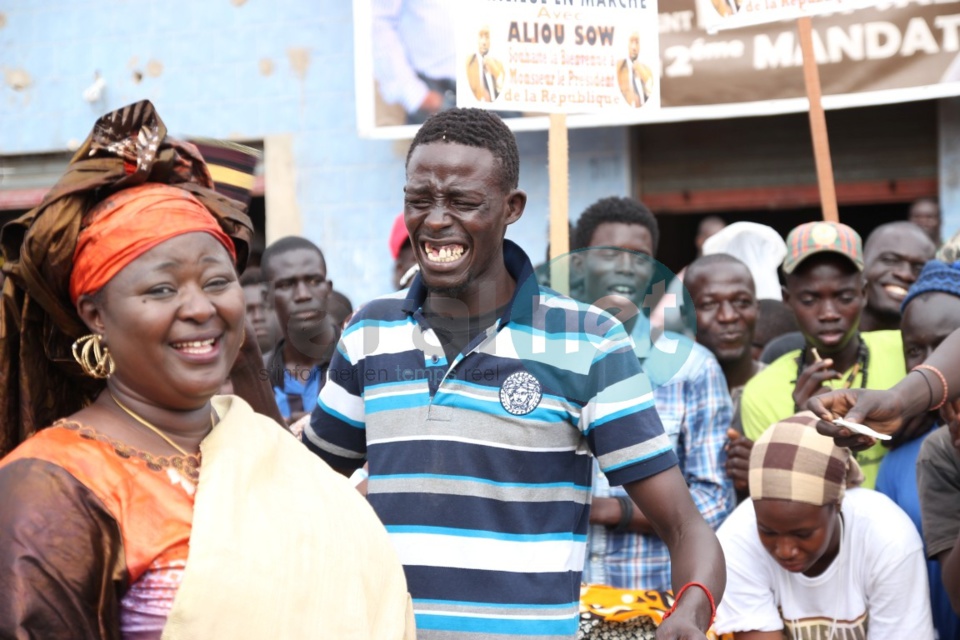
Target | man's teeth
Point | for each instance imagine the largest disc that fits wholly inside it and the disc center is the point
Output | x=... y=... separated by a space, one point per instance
x=195 y=346
x=894 y=290
x=444 y=254
x=621 y=289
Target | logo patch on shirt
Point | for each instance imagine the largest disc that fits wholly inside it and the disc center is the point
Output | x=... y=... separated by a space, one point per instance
x=520 y=393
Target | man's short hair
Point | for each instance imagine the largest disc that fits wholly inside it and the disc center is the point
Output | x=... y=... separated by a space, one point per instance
x=281 y=246
x=474 y=128
x=342 y=300
x=703 y=263
x=614 y=209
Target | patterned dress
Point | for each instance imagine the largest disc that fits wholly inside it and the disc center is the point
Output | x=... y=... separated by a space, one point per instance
x=101 y=518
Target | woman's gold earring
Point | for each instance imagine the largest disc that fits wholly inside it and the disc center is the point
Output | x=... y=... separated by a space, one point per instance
x=93 y=356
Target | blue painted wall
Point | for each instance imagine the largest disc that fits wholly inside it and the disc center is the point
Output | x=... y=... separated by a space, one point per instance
x=202 y=64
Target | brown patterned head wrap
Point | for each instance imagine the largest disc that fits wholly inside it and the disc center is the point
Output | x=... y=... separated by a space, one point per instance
x=791 y=461
x=39 y=379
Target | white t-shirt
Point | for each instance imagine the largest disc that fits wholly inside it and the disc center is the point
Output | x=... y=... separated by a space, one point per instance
x=875 y=589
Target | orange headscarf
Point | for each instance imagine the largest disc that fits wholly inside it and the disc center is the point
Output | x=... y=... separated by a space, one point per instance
x=131 y=222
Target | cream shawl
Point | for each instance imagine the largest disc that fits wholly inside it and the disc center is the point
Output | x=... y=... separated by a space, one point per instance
x=282 y=547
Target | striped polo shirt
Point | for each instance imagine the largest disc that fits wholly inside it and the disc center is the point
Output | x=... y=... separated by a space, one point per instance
x=480 y=468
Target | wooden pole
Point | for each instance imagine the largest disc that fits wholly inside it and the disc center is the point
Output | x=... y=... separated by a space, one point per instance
x=818 y=123
x=558 y=167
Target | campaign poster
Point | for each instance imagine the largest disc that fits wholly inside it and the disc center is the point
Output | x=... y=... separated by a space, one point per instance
x=566 y=56
x=886 y=53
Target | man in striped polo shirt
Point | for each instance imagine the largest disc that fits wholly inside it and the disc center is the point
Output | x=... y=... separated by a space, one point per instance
x=478 y=397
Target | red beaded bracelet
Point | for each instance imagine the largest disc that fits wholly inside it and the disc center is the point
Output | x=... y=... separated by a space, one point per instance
x=676 y=600
x=943 y=382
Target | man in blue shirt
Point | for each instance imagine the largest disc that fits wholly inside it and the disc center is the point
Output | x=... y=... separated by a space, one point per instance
x=931 y=312
x=618 y=238
x=478 y=398
x=296 y=276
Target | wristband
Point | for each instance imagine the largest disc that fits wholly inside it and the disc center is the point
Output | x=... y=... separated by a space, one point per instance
x=929 y=386
x=676 y=601
x=943 y=383
x=626 y=514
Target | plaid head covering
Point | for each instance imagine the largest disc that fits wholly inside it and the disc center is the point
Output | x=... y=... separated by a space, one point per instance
x=791 y=461
x=822 y=237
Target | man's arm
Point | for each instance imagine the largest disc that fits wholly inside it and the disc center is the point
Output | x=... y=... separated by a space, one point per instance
x=738 y=462
x=627 y=438
x=885 y=411
x=337 y=429
x=695 y=553
x=950 y=574
x=938 y=485
x=707 y=411
x=949 y=560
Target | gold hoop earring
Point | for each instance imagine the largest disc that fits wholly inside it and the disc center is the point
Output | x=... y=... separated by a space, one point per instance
x=93 y=356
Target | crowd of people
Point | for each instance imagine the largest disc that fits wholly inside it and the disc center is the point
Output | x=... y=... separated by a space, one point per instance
x=202 y=443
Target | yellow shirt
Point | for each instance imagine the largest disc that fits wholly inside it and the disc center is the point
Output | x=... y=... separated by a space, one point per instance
x=768 y=396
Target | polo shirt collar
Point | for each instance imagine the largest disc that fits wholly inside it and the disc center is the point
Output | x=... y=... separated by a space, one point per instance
x=518 y=266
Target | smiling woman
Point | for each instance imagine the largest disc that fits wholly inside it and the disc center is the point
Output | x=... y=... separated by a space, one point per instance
x=806 y=558
x=121 y=515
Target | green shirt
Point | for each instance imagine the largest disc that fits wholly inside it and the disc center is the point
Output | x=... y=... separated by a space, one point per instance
x=768 y=396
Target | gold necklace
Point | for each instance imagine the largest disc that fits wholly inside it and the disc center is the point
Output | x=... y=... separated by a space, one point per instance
x=154 y=429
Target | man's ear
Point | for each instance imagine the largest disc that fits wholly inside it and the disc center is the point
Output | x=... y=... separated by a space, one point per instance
x=91 y=314
x=786 y=295
x=516 y=203
x=576 y=261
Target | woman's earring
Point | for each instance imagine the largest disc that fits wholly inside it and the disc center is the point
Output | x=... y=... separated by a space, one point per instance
x=93 y=356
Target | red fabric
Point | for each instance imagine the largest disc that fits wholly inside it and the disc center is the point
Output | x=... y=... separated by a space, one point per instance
x=398 y=235
x=131 y=222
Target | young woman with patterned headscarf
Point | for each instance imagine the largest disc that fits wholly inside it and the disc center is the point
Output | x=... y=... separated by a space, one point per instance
x=812 y=556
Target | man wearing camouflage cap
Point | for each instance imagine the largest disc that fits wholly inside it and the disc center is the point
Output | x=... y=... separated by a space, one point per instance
x=826 y=291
